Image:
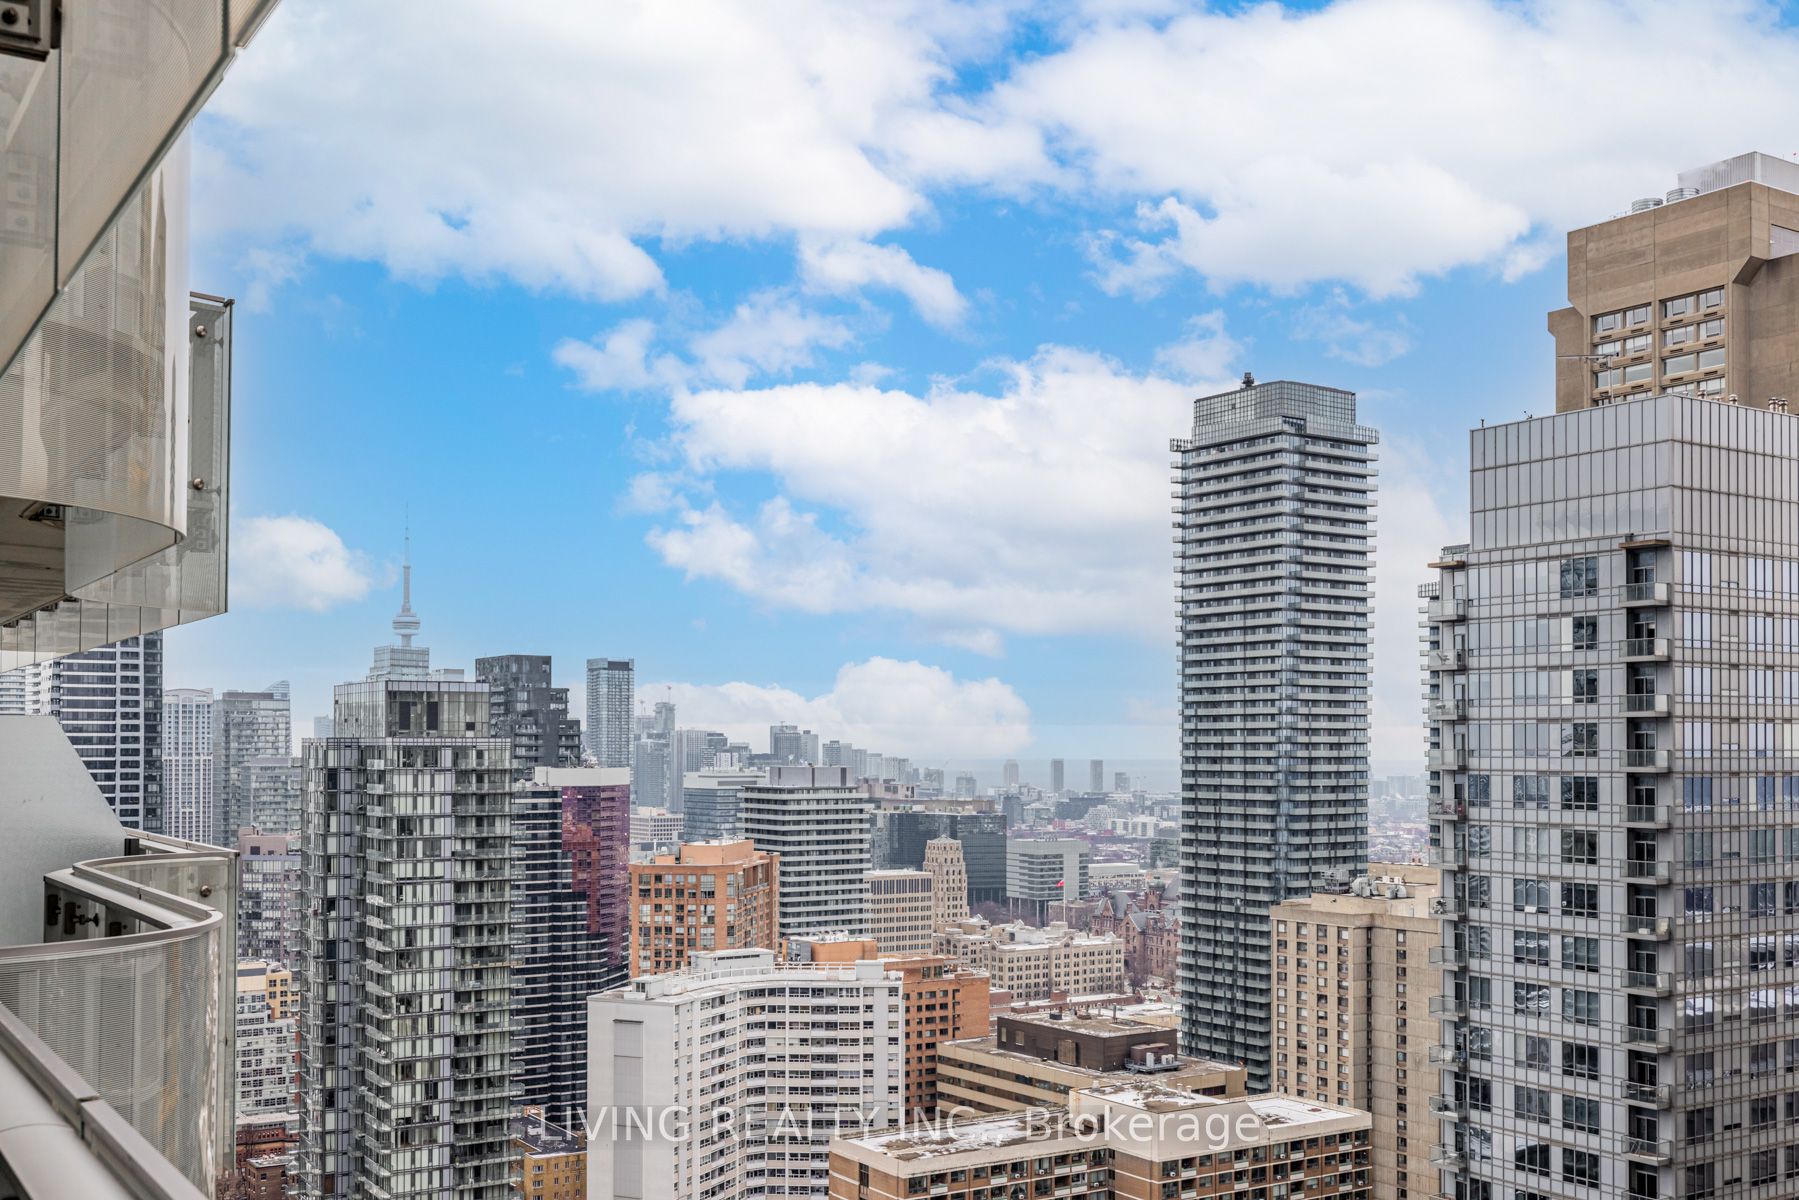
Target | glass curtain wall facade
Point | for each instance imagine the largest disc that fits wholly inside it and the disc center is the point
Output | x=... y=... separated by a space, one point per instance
x=1613 y=699
x=1274 y=526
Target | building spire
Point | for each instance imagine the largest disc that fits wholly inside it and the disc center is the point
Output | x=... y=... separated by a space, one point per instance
x=406 y=622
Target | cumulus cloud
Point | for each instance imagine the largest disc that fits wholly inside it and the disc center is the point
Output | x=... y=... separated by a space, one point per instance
x=905 y=708
x=1267 y=145
x=850 y=266
x=768 y=334
x=294 y=562
x=1353 y=339
x=1039 y=505
x=614 y=361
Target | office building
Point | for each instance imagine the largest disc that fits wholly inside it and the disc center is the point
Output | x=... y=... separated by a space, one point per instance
x=817 y=824
x=549 y=1162
x=1121 y=781
x=570 y=925
x=530 y=711
x=406 y=842
x=710 y=802
x=322 y=727
x=654 y=780
x=266 y=1010
x=901 y=834
x=828 y=1058
x=1355 y=974
x=246 y=726
x=1096 y=775
x=654 y=830
x=706 y=896
x=1033 y=963
x=949 y=882
x=611 y=707
x=1042 y=873
x=1120 y=1141
x=1273 y=542
x=1057 y=777
x=1611 y=699
x=899 y=911
x=268 y=897
x=1035 y=1061
x=1695 y=294
x=1008 y=775
x=108 y=701
x=787 y=743
x=187 y=763
x=942 y=1003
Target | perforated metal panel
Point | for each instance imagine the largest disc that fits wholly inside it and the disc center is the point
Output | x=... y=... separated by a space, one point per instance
x=28 y=104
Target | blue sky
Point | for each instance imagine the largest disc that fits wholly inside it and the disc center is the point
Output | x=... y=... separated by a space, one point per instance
x=823 y=358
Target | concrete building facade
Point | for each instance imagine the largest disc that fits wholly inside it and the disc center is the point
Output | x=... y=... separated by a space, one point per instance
x=1355 y=974
x=949 y=882
x=817 y=823
x=611 y=710
x=1275 y=524
x=1032 y=963
x=900 y=906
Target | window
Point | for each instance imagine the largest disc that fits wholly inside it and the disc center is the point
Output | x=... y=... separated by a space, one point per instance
x=1580 y=576
x=1580 y=953
x=1530 y=1104
x=1530 y=997
x=1580 y=1112
x=1580 y=1006
x=1530 y=946
x=1533 y=1051
x=1711 y=358
x=1580 y=739
x=1580 y=1167
x=1580 y=846
x=1584 y=685
x=1580 y=1061
x=1580 y=899
x=1678 y=364
x=1586 y=633
x=1530 y=895
x=1580 y=793
x=1532 y=1157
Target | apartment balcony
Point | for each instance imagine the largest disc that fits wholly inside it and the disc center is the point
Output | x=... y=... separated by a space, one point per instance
x=118 y=977
x=1448 y=1006
x=1640 y=595
x=1652 y=816
x=1448 y=956
x=1445 y=1158
x=1444 y=610
x=1444 y=808
x=1654 y=983
x=1645 y=1150
x=1657 y=1095
x=1446 y=758
x=1644 y=762
x=1448 y=710
x=1657 y=872
x=1658 y=1041
x=1450 y=908
x=1644 y=649
x=1658 y=928
x=1446 y=1106
x=1449 y=858
x=1446 y=660
x=1649 y=704
x=1447 y=1056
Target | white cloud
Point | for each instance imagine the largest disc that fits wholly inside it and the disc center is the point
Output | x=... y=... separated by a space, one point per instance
x=1267 y=145
x=293 y=562
x=1350 y=338
x=849 y=266
x=1040 y=506
x=1205 y=351
x=614 y=361
x=548 y=147
x=905 y=708
x=768 y=334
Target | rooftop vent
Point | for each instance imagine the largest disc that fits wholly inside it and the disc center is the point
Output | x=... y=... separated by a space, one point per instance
x=1645 y=204
x=1676 y=195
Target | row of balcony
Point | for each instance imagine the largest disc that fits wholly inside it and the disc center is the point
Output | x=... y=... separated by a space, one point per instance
x=1455 y=758
x=1635 y=649
x=1444 y=610
x=1455 y=908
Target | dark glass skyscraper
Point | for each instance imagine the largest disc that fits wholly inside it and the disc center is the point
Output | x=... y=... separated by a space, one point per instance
x=527 y=709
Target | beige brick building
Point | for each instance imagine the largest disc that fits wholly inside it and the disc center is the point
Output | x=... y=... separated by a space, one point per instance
x=1695 y=292
x=1121 y=1141
x=899 y=911
x=1031 y=963
x=1353 y=982
x=949 y=881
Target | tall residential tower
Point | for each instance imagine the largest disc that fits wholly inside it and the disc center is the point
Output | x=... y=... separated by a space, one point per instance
x=611 y=710
x=1274 y=494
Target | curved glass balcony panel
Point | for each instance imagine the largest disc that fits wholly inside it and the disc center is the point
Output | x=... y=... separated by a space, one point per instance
x=180 y=582
x=128 y=991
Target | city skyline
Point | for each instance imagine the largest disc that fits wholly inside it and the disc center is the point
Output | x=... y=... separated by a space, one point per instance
x=1059 y=262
